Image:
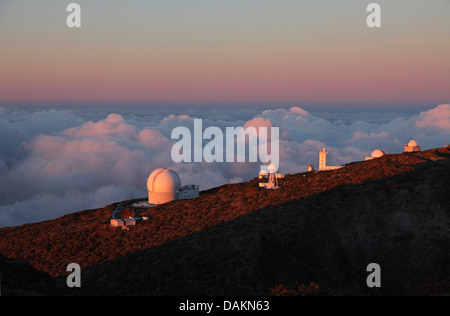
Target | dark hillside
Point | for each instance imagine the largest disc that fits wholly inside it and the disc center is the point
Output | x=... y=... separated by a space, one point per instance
x=402 y=223
x=19 y=279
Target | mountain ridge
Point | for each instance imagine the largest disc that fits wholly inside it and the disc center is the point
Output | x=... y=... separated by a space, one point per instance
x=393 y=187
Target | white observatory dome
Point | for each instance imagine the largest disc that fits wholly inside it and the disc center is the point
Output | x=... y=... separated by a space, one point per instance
x=377 y=153
x=413 y=143
x=164 y=185
x=272 y=168
x=164 y=181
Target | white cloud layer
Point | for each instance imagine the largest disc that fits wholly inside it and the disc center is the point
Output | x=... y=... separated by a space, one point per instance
x=55 y=162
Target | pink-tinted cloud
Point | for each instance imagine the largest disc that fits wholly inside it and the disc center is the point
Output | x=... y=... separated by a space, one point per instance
x=438 y=117
x=76 y=164
x=113 y=125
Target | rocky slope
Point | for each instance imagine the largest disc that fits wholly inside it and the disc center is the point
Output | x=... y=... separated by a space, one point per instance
x=242 y=240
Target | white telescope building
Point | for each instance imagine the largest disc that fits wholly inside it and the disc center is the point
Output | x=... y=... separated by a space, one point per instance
x=377 y=153
x=323 y=162
x=164 y=185
x=272 y=176
x=412 y=147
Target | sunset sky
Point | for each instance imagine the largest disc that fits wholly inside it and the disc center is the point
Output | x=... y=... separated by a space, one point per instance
x=201 y=51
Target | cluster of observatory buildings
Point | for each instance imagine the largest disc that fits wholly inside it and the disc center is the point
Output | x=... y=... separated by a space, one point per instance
x=164 y=185
x=412 y=147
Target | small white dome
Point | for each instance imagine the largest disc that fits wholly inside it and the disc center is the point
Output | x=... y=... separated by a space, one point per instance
x=164 y=181
x=272 y=168
x=377 y=153
x=413 y=143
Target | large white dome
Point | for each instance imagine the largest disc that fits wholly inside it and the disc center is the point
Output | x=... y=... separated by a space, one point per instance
x=163 y=181
x=377 y=153
x=413 y=143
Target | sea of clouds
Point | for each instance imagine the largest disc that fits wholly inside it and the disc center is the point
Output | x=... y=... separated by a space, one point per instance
x=56 y=162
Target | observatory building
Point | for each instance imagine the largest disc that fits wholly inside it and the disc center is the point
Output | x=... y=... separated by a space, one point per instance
x=273 y=178
x=377 y=153
x=265 y=175
x=412 y=147
x=164 y=185
x=323 y=162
